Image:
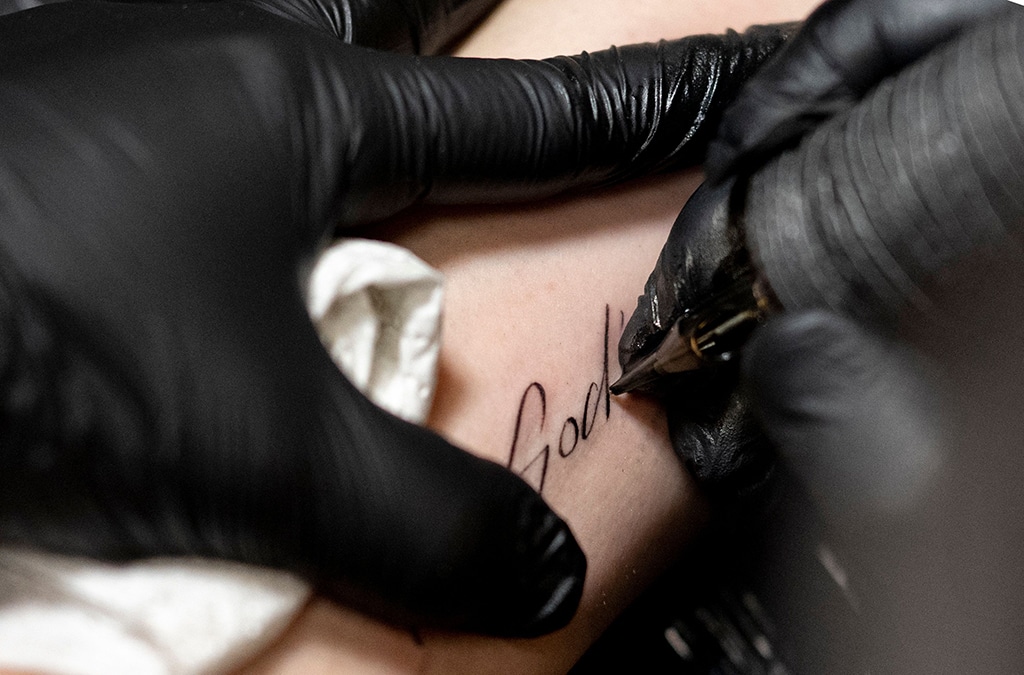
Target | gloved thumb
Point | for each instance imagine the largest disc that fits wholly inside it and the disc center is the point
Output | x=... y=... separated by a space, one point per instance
x=843 y=49
x=266 y=454
x=412 y=528
x=853 y=414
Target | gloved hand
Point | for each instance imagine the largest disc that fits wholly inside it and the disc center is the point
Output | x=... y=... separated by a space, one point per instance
x=891 y=397
x=863 y=204
x=851 y=227
x=710 y=426
x=167 y=172
x=891 y=386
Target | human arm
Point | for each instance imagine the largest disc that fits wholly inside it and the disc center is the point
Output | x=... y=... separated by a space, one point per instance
x=630 y=505
x=553 y=268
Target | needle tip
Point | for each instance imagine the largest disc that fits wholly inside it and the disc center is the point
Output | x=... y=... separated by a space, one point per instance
x=633 y=378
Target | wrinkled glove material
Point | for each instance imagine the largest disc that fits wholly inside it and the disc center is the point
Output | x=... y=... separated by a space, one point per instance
x=922 y=173
x=846 y=47
x=909 y=164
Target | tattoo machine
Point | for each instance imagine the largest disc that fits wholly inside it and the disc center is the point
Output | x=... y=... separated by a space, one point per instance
x=708 y=334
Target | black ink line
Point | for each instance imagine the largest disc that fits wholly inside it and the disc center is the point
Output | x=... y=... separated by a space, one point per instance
x=605 y=382
x=546 y=450
x=571 y=421
x=598 y=388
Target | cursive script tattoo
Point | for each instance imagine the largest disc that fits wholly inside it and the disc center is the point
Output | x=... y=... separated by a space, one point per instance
x=531 y=453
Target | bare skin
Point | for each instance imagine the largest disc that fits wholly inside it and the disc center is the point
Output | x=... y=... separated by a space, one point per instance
x=552 y=271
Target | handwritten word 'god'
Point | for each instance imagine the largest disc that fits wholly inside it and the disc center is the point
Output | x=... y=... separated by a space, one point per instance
x=532 y=441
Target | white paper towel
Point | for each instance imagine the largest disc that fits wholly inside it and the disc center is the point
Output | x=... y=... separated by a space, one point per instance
x=377 y=308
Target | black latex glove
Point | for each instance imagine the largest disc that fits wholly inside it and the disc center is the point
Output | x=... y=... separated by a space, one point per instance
x=844 y=49
x=891 y=386
x=911 y=450
x=881 y=193
x=167 y=171
x=711 y=429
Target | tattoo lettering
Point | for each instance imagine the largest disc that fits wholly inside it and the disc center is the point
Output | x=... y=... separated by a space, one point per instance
x=531 y=452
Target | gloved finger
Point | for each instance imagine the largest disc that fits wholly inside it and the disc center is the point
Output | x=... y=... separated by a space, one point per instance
x=844 y=49
x=867 y=208
x=353 y=135
x=416 y=26
x=406 y=526
x=903 y=560
x=685 y=271
x=448 y=130
x=710 y=425
x=852 y=414
x=443 y=538
x=718 y=439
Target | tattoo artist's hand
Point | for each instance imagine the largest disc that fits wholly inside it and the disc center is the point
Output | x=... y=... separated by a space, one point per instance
x=890 y=384
x=709 y=422
x=854 y=225
x=876 y=196
x=166 y=173
x=844 y=49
